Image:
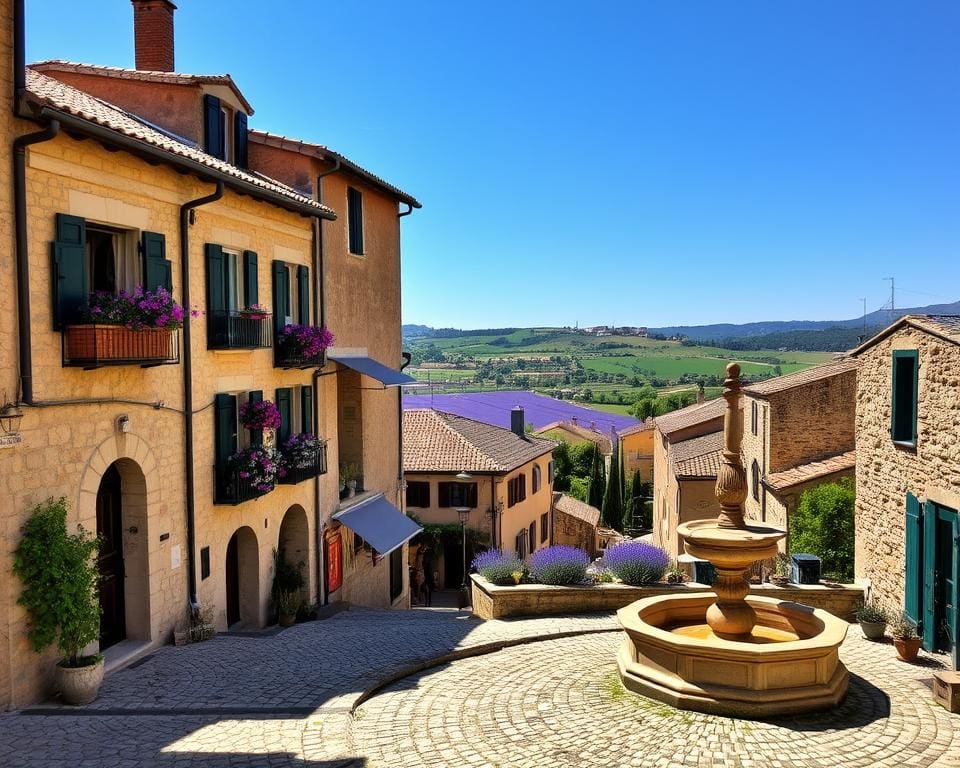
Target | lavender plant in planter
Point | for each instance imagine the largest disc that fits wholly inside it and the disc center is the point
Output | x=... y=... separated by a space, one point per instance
x=559 y=565
x=636 y=562
x=496 y=566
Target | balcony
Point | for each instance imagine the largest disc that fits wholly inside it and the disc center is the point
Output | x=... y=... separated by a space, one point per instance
x=230 y=488
x=301 y=346
x=232 y=329
x=92 y=346
x=304 y=469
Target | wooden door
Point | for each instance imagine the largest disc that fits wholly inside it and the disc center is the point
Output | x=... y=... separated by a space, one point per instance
x=945 y=580
x=113 y=621
x=233 y=581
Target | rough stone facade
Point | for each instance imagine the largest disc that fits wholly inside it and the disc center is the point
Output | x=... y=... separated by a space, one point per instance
x=885 y=471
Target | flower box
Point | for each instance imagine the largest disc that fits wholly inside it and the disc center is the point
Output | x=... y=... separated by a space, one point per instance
x=105 y=344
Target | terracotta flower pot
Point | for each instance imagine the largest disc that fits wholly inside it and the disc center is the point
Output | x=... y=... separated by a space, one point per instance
x=115 y=342
x=907 y=647
x=873 y=630
x=287 y=619
x=79 y=685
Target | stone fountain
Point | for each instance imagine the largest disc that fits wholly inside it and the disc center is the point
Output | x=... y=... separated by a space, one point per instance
x=729 y=652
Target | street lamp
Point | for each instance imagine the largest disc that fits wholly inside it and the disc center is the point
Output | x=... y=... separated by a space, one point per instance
x=464 y=514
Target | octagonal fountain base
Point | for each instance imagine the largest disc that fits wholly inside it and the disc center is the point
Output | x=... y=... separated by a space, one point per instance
x=790 y=663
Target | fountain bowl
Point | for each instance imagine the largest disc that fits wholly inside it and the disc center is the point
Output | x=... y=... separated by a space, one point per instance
x=789 y=664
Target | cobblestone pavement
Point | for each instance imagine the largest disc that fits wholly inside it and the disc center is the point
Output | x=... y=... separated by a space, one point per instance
x=560 y=703
x=286 y=700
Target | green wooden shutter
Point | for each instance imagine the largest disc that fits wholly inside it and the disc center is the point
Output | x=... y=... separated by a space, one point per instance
x=240 y=151
x=212 y=126
x=303 y=294
x=157 y=269
x=225 y=424
x=251 y=285
x=306 y=410
x=281 y=294
x=216 y=279
x=69 y=279
x=913 y=559
x=929 y=548
x=904 y=391
x=284 y=406
x=256 y=435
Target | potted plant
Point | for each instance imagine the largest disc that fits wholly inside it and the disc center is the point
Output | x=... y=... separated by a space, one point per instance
x=304 y=342
x=288 y=583
x=349 y=475
x=260 y=415
x=300 y=451
x=675 y=575
x=254 y=312
x=288 y=603
x=60 y=580
x=781 y=570
x=873 y=621
x=257 y=467
x=905 y=637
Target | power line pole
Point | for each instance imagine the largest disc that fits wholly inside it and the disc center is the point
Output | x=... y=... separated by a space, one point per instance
x=893 y=305
x=864 y=300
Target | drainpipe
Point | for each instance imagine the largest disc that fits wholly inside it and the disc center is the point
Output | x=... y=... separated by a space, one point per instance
x=25 y=342
x=19 y=55
x=186 y=219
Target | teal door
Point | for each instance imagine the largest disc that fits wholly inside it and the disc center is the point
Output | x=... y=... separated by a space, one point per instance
x=941 y=577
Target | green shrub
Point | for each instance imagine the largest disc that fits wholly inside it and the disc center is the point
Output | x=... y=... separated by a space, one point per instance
x=872 y=614
x=60 y=582
x=823 y=525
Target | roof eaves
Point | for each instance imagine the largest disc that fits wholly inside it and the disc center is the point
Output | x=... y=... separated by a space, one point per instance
x=912 y=320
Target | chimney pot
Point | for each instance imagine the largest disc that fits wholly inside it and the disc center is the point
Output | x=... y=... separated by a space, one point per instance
x=153 y=35
x=517 y=425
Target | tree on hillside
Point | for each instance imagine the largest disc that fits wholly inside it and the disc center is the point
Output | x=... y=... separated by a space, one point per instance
x=611 y=511
x=596 y=479
x=823 y=525
x=581 y=459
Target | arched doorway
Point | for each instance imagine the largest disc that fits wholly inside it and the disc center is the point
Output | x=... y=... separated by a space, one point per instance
x=294 y=541
x=113 y=618
x=243 y=578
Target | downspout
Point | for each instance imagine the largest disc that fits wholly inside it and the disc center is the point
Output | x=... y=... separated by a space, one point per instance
x=19 y=55
x=25 y=342
x=186 y=216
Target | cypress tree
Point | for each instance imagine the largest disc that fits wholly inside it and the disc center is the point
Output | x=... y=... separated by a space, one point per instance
x=595 y=494
x=611 y=513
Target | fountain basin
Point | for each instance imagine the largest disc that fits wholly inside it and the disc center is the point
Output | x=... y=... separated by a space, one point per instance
x=790 y=663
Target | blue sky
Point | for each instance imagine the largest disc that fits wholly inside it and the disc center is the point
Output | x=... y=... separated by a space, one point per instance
x=633 y=162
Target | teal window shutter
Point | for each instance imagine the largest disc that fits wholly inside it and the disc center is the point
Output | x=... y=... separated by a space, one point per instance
x=225 y=420
x=904 y=389
x=306 y=410
x=216 y=279
x=303 y=294
x=240 y=151
x=256 y=435
x=157 y=269
x=212 y=126
x=283 y=405
x=913 y=559
x=251 y=288
x=929 y=549
x=69 y=279
x=281 y=294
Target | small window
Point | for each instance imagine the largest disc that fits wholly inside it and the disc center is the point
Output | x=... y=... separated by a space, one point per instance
x=544 y=527
x=355 y=220
x=516 y=490
x=550 y=473
x=457 y=495
x=755 y=477
x=903 y=420
x=521 y=544
x=753 y=416
x=533 y=535
x=536 y=478
x=233 y=266
x=112 y=260
x=418 y=494
x=205 y=563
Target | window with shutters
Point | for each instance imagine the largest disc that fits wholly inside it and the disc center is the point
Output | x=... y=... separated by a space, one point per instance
x=533 y=535
x=355 y=220
x=235 y=317
x=755 y=479
x=536 y=478
x=520 y=544
x=544 y=527
x=903 y=417
x=113 y=264
x=231 y=437
x=457 y=495
x=516 y=490
x=418 y=494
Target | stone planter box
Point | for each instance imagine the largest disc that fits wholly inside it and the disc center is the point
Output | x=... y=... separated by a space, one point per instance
x=493 y=602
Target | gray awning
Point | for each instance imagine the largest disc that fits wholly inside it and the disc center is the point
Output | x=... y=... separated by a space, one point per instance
x=379 y=523
x=375 y=370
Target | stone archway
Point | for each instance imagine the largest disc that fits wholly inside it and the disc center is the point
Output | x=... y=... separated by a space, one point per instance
x=294 y=541
x=243 y=578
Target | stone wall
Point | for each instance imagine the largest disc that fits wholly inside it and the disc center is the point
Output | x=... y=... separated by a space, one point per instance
x=886 y=472
x=574 y=532
x=493 y=602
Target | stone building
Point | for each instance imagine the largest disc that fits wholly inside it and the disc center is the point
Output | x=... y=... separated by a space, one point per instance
x=636 y=446
x=798 y=433
x=686 y=456
x=147 y=179
x=908 y=472
x=575 y=524
x=502 y=477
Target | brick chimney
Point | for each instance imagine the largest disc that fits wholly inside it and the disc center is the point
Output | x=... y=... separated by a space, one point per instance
x=517 y=424
x=153 y=35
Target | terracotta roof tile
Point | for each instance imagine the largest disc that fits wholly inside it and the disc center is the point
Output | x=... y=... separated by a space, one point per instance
x=576 y=508
x=590 y=435
x=643 y=426
x=817 y=373
x=945 y=326
x=813 y=470
x=124 y=73
x=699 y=467
x=325 y=153
x=47 y=91
x=698 y=413
x=434 y=441
x=698 y=456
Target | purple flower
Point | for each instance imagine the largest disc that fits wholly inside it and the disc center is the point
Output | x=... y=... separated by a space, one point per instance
x=636 y=562
x=559 y=564
x=496 y=566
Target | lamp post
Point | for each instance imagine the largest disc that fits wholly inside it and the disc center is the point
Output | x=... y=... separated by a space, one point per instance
x=464 y=514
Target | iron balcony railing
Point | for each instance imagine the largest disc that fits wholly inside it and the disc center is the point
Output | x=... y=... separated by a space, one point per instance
x=231 y=329
x=316 y=467
x=230 y=488
x=94 y=346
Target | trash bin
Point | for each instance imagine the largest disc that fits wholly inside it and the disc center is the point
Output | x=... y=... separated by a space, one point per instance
x=804 y=569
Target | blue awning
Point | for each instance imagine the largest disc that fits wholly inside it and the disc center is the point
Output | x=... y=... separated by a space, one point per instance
x=375 y=370
x=379 y=523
